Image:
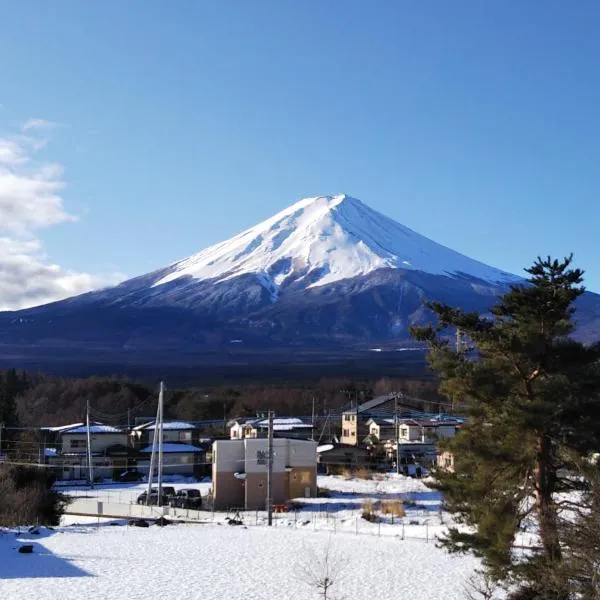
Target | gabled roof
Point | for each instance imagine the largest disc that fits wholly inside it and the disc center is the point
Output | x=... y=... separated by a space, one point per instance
x=167 y=425
x=430 y=422
x=279 y=423
x=369 y=405
x=382 y=422
x=82 y=428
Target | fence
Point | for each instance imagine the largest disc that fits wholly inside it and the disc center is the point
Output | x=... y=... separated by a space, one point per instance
x=96 y=508
x=403 y=528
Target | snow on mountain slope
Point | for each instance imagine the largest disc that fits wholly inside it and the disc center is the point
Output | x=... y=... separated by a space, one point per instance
x=324 y=239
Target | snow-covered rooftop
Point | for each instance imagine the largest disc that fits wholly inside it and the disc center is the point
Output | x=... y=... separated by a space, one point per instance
x=166 y=425
x=279 y=423
x=82 y=428
x=62 y=427
x=173 y=448
x=95 y=428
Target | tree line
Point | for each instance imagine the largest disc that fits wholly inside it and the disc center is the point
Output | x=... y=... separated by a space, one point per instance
x=30 y=400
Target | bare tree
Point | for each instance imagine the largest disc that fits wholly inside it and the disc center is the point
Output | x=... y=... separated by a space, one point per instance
x=481 y=586
x=321 y=570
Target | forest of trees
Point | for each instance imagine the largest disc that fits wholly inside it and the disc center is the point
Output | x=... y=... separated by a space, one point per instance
x=32 y=400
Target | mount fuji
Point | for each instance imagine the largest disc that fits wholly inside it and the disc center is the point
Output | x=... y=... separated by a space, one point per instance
x=326 y=276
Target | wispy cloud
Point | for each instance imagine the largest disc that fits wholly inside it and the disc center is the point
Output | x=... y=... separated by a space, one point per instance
x=31 y=200
x=32 y=124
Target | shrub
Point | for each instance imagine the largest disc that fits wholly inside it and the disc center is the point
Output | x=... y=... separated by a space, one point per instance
x=369 y=509
x=28 y=497
x=363 y=473
x=394 y=508
x=323 y=493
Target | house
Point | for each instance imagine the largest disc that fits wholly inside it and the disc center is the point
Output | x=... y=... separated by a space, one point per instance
x=355 y=418
x=426 y=430
x=239 y=472
x=66 y=448
x=381 y=429
x=332 y=458
x=417 y=440
x=177 y=432
x=445 y=461
x=178 y=459
x=258 y=427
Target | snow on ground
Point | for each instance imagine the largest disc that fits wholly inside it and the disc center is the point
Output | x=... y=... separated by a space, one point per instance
x=107 y=559
x=220 y=562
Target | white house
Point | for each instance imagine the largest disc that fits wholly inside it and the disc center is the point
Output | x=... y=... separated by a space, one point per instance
x=173 y=432
x=425 y=430
x=258 y=427
x=178 y=459
x=67 y=450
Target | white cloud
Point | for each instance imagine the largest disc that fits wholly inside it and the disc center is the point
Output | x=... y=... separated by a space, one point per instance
x=30 y=200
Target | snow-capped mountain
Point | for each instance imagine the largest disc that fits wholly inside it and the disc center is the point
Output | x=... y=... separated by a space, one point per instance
x=327 y=275
x=321 y=240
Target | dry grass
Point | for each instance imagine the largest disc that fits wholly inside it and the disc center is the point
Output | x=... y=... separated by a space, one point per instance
x=369 y=510
x=348 y=473
x=363 y=474
x=393 y=507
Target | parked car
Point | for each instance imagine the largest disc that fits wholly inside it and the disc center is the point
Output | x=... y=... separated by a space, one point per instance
x=188 y=498
x=167 y=497
x=130 y=476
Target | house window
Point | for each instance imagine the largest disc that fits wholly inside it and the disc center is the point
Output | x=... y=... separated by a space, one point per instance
x=447 y=461
x=404 y=432
x=346 y=433
x=78 y=444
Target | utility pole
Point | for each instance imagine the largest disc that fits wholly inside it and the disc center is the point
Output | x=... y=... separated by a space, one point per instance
x=160 y=441
x=89 y=444
x=153 y=455
x=270 y=472
x=1 y=428
x=397 y=432
x=312 y=422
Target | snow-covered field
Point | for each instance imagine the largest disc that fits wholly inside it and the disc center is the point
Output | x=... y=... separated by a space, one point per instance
x=218 y=561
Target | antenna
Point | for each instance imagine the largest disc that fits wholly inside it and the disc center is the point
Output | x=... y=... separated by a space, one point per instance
x=89 y=444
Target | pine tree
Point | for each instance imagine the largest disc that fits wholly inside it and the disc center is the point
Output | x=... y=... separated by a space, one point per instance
x=531 y=395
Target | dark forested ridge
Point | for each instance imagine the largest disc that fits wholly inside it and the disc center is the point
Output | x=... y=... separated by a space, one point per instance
x=31 y=399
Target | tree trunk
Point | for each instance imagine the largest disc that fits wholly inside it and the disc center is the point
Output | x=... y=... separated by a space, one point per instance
x=545 y=480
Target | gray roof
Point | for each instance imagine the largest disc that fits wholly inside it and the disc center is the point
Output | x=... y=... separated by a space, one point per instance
x=370 y=405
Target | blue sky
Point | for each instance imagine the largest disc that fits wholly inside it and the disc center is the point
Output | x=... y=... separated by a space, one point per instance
x=162 y=127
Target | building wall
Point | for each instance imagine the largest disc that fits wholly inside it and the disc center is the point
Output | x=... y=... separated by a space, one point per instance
x=294 y=471
x=445 y=461
x=183 y=436
x=174 y=463
x=351 y=424
x=76 y=467
x=99 y=442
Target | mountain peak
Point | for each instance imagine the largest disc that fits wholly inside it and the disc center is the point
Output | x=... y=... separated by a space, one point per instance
x=323 y=239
